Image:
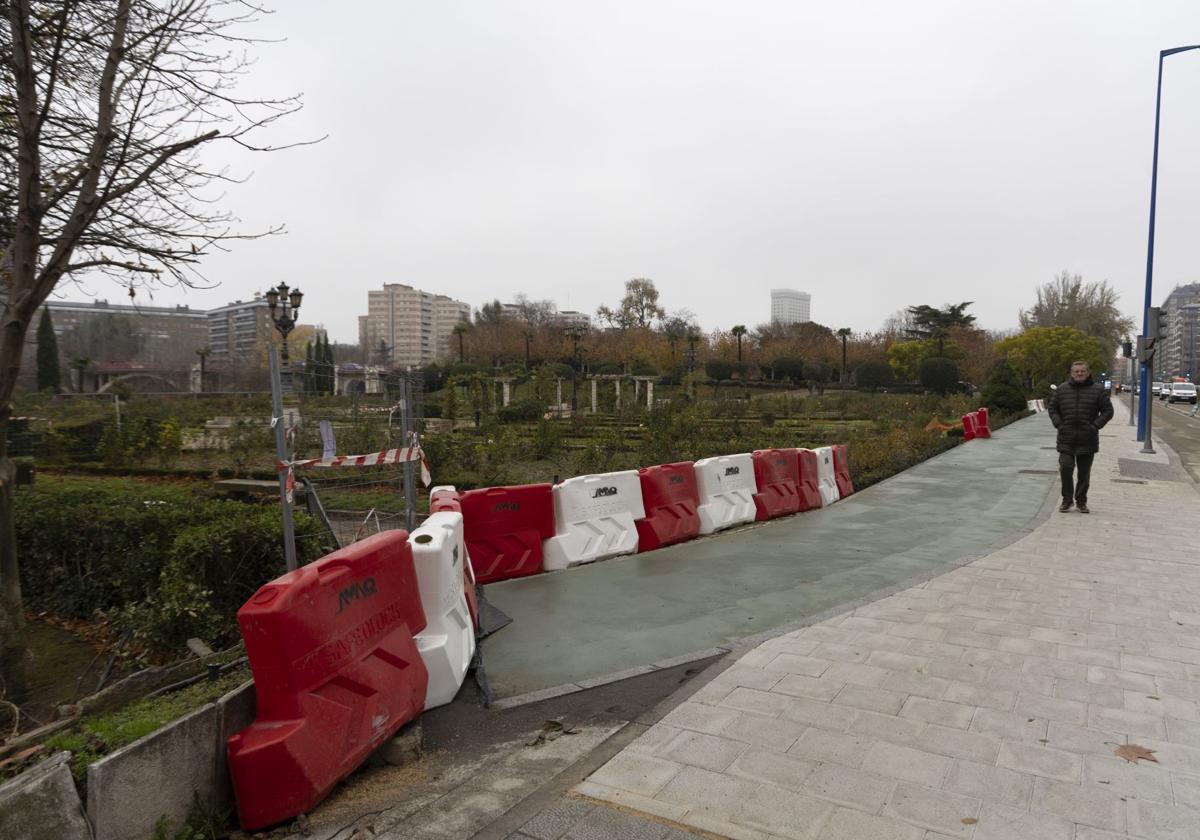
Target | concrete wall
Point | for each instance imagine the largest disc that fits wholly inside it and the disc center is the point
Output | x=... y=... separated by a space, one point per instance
x=129 y=790
x=41 y=804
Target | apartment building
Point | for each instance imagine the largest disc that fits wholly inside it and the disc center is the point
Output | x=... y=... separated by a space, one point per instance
x=1180 y=313
x=161 y=336
x=239 y=330
x=408 y=326
x=789 y=306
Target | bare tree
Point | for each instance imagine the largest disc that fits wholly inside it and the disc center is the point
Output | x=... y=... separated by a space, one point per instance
x=1091 y=308
x=104 y=108
x=639 y=307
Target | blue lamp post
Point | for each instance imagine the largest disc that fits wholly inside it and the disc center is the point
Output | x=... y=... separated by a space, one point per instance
x=1144 y=401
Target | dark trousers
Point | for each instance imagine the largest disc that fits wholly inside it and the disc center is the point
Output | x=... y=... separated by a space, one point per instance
x=1067 y=464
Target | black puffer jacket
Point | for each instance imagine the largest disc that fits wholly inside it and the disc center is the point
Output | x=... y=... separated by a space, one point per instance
x=1079 y=412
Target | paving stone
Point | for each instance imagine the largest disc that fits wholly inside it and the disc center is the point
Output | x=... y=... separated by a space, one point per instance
x=641 y=774
x=904 y=662
x=1040 y=761
x=742 y=675
x=886 y=727
x=854 y=788
x=842 y=748
x=933 y=809
x=653 y=739
x=1085 y=832
x=1142 y=780
x=785 y=771
x=922 y=685
x=1121 y=679
x=961 y=671
x=1051 y=708
x=767 y=732
x=858 y=674
x=700 y=718
x=977 y=695
x=835 y=652
x=990 y=784
x=1162 y=705
x=1187 y=790
x=938 y=711
x=1134 y=724
x=700 y=750
x=1008 y=725
x=1163 y=822
x=794 y=816
x=1086 y=692
x=1055 y=668
x=626 y=799
x=848 y=824
x=1001 y=822
x=1150 y=665
x=801 y=686
x=705 y=792
x=815 y=713
x=715 y=826
x=1088 y=805
x=809 y=666
x=959 y=743
x=752 y=700
x=906 y=763
x=872 y=699
x=1080 y=739
x=554 y=822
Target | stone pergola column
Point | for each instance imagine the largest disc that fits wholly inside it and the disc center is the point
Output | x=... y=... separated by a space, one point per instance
x=594 y=396
x=617 y=391
x=557 y=396
x=506 y=392
x=649 y=393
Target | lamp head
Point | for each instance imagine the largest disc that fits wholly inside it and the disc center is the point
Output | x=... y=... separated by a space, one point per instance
x=272 y=297
x=296 y=297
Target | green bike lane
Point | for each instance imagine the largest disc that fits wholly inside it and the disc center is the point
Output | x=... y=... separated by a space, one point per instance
x=591 y=624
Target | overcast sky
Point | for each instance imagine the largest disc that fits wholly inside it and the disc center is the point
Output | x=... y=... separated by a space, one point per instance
x=874 y=154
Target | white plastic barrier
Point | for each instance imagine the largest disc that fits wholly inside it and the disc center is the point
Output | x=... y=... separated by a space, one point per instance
x=594 y=518
x=1035 y=405
x=727 y=488
x=448 y=641
x=826 y=476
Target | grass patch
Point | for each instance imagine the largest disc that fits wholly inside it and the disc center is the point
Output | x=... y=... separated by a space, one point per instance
x=99 y=735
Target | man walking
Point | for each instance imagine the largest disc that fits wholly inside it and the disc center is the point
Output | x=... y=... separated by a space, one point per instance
x=1079 y=408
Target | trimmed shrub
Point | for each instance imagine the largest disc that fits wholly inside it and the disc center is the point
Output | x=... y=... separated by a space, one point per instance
x=1003 y=392
x=938 y=374
x=874 y=375
x=519 y=411
x=718 y=369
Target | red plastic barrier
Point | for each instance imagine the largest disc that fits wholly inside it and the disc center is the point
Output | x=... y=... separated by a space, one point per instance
x=841 y=469
x=336 y=673
x=809 y=487
x=968 y=421
x=982 y=430
x=670 y=497
x=504 y=528
x=445 y=499
x=777 y=476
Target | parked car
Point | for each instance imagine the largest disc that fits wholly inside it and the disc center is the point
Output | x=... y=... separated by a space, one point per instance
x=1165 y=391
x=1156 y=388
x=1182 y=392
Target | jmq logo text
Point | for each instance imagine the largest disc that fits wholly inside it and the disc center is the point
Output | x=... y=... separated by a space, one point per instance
x=604 y=491
x=359 y=589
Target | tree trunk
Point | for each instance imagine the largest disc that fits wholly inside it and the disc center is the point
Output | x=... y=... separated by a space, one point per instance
x=12 y=617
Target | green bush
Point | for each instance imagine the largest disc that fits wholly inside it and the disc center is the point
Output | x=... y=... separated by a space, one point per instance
x=521 y=410
x=161 y=561
x=718 y=369
x=873 y=375
x=1003 y=392
x=938 y=374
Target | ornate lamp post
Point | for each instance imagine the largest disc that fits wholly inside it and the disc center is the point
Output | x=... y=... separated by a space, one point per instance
x=280 y=298
x=844 y=332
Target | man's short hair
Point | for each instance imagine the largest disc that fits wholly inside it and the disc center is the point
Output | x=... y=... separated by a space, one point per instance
x=1081 y=362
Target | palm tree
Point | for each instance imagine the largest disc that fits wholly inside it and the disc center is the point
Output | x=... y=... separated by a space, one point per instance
x=460 y=329
x=739 y=331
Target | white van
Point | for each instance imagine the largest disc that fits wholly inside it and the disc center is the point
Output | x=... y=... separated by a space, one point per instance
x=1182 y=392
x=1156 y=388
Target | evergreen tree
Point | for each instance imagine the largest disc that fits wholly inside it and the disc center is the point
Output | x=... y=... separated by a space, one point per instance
x=329 y=366
x=48 y=372
x=309 y=372
x=1003 y=392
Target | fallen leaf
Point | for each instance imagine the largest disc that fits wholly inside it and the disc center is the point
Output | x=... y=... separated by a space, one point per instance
x=1132 y=752
x=969 y=821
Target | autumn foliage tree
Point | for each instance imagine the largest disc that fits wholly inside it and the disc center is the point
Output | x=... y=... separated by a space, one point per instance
x=105 y=107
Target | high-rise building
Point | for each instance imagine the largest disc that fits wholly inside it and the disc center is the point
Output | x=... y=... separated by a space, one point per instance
x=161 y=336
x=789 y=306
x=1177 y=353
x=407 y=326
x=239 y=330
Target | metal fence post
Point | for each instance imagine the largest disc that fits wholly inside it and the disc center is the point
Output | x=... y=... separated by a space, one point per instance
x=281 y=455
x=406 y=427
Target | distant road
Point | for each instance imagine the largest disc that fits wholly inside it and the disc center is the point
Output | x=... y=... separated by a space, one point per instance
x=1172 y=424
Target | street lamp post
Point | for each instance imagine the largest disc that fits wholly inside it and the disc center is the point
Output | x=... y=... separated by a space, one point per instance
x=575 y=334
x=1144 y=402
x=281 y=298
x=844 y=332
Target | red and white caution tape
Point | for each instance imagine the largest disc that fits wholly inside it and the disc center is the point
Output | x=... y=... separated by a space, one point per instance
x=387 y=456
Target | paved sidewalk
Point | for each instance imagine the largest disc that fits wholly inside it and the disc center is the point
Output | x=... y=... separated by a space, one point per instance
x=986 y=703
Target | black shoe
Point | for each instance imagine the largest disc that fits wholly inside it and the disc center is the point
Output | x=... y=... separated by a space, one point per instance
x=1065 y=506
x=1083 y=508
